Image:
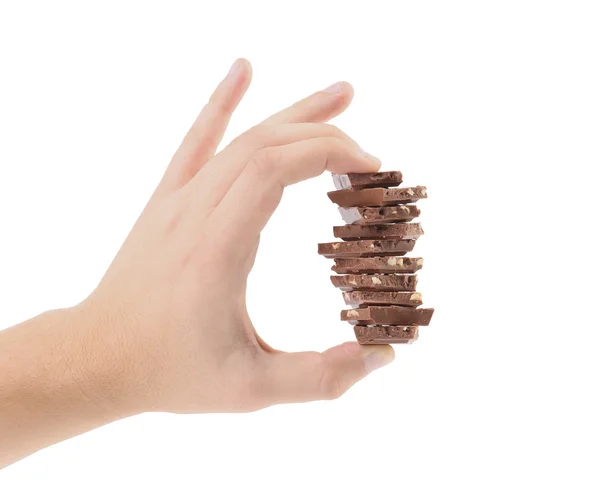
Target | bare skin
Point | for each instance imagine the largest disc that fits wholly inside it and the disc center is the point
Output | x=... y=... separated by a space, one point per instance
x=167 y=327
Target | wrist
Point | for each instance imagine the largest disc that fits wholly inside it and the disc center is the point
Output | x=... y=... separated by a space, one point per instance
x=102 y=364
x=60 y=375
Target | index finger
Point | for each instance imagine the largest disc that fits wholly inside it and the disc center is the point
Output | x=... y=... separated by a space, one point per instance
x=259 y=187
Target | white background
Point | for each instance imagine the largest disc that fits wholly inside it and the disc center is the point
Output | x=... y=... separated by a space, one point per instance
x=493 y=105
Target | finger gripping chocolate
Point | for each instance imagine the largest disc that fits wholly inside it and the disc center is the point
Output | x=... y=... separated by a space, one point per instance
x=376 y=277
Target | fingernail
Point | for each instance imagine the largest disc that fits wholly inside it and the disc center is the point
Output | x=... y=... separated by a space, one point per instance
x=370 y=157
x=336 y=88
x=376 y=360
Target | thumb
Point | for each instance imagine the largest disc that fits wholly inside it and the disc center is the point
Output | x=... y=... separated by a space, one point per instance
x=308 y=376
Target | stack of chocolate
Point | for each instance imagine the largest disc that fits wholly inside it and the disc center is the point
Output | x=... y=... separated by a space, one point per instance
x=376 y=278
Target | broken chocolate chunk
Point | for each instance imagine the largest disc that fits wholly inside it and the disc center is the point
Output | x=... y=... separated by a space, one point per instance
x=392 y=282
x=384 y=231
x=357 y=298
x=375 y=215
x=377 y=197
x=387 y=315
x=381 y=265
x=386 y=334
x=360 y=181
x=364 y=248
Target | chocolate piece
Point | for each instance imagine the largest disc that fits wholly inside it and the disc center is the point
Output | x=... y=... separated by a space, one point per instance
x=384 y=231
x=373 y=215
x=364 y=248
x=360 y=181
x=390 y=315
x=411 y=299
x=377 y=197
x=386 y=334
x=392 y=282
x=383 y=265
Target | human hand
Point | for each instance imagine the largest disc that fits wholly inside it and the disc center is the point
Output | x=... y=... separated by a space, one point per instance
x=171 y=328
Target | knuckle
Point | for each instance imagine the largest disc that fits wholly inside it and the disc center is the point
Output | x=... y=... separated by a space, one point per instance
x=333 y=145
x=263 y=169
x=334 y=131
x=331 y=387
x=338 y=135
x=263 y=162
x=333 y=142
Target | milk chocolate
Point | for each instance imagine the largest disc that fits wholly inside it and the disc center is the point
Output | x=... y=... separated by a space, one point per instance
x=401 y=231
x=382 y=265
x=377 y=197
x=386 y=334
x=392 y=282
x=374 y=215
x=389 y=315
x=360 y=181
x=364 y=248
x=410 y=299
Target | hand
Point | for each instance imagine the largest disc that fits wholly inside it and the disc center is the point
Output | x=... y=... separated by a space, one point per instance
x=174 y=334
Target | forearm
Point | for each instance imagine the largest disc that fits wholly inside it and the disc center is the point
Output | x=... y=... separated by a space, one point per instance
x=55 y=382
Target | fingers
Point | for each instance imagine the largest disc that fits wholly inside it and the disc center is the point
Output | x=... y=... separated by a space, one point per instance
x=290 y=125
x=218 y=176
x=319 y=107
x=309 y=376
x=259 y=187
x=203 y=138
